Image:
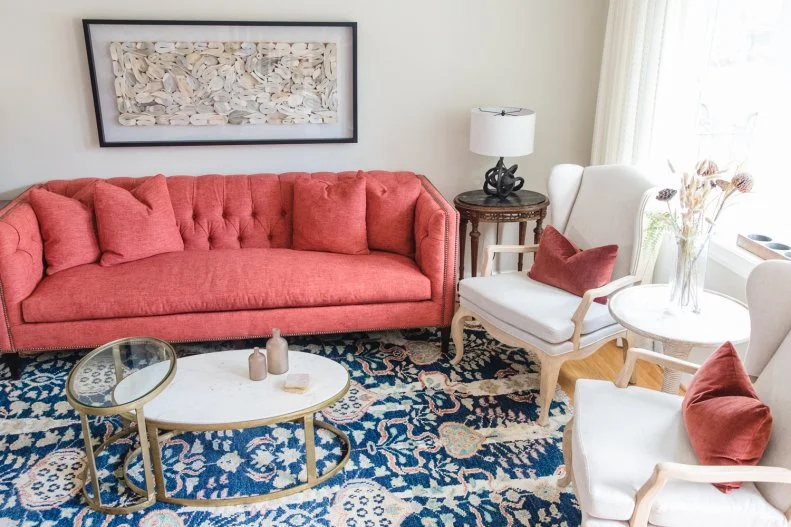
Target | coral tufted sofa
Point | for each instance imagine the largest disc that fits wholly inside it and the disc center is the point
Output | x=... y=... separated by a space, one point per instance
x=238 y=276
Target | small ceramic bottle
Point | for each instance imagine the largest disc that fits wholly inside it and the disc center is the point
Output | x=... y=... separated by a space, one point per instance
x=257 y=363
x=277 y=352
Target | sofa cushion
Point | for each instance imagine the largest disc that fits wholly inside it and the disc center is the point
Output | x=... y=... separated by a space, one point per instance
x=67 y=228
x=726 y=422
x=330 y=215
x=225 y=280
x=137 y=224
x=390 y=211
x=619 y=436
x=256 y=211
x=536 y=308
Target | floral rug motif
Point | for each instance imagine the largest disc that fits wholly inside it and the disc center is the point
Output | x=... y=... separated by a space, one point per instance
x=433 y=445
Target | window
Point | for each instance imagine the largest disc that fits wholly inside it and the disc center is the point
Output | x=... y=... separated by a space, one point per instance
x=724 y=93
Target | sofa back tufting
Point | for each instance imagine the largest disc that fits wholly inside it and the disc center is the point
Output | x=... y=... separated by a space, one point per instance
x=255 y=211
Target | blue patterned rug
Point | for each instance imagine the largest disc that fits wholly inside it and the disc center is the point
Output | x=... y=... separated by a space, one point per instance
x=432 y=446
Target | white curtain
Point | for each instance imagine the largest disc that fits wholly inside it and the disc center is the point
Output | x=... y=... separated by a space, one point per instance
x=683 y=79
x=635 y=48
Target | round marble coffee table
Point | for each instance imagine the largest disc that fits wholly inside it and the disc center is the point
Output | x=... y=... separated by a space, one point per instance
x=212 y=391
x=644 y=310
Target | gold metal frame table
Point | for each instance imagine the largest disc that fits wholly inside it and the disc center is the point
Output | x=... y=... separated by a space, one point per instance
x=91 y=390
x=212 y=391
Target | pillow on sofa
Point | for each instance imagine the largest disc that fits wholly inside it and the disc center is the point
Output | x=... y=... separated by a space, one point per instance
x=67 y=228
x=726 y=422
x=562 y=264
x=329 y=216
x=137 y=224
x=391 y=199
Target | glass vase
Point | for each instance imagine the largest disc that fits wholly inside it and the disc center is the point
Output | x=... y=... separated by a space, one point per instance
x=689 y=273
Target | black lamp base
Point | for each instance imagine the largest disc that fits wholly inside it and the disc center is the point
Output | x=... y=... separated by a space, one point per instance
x=500 y=181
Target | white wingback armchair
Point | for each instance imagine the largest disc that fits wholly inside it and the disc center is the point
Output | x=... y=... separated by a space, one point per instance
x=627 y=452
x=591 y=206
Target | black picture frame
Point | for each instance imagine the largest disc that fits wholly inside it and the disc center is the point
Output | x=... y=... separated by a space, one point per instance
x=101 y=123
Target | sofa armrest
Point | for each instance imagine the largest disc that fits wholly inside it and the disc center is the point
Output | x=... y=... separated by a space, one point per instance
x=21 y=263
x=436 y=247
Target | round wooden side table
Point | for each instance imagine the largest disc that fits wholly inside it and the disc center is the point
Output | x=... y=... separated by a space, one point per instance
x=643 y=310
x=476 y=206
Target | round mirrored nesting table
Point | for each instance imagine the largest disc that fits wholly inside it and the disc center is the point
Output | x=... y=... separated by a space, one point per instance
x=644 y=310
x=144 y=366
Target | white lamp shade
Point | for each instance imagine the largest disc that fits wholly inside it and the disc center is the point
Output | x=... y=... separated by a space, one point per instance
x=498 y=135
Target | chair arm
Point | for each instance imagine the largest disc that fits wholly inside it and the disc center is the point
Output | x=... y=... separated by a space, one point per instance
x=590 y=295
x=663 y=472
x=491 y=250
x=635 y=354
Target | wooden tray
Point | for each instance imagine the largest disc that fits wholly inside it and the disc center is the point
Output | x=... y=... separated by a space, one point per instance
x=764 y=246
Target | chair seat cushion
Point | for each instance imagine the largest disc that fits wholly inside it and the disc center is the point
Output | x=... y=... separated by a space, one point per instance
x=536 y=308
x=621 y=434
x=225 y=280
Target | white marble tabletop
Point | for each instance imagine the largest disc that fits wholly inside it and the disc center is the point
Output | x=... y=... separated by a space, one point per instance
x=214 y=389
x=644 y=310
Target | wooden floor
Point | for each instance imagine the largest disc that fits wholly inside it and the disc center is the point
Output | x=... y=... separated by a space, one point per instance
x=606 y=364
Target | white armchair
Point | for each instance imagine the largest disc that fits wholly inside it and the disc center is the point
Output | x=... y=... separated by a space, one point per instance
x=591 y=206
x=628 y=456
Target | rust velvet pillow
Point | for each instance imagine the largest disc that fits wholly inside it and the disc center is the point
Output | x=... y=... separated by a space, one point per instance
x=330 y=215
x=562 y=264
x=726 y=422
x=67 y=227
x=137 y=224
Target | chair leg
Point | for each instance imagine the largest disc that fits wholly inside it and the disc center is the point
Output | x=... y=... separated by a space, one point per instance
x=444 y=332
x=550 y=370
x=457 y=332
x=565 y=481
x=12 y=361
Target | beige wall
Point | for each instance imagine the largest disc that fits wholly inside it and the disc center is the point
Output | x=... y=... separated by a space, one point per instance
x=422 y=65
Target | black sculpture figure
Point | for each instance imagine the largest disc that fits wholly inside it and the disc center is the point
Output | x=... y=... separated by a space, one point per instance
x=501 y=181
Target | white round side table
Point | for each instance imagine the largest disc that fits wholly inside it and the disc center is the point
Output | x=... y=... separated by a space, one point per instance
x=644 y=309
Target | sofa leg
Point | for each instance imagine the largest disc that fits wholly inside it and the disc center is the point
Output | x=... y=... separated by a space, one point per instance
x=12 y=361
x=445 y=336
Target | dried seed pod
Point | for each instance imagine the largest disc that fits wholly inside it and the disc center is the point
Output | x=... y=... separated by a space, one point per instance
x=743 y=182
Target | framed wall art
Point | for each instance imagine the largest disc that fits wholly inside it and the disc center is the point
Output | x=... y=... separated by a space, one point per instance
x=170 y=83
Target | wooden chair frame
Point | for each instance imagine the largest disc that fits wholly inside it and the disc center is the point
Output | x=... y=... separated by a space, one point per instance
x=550 y=364
x=665 y=471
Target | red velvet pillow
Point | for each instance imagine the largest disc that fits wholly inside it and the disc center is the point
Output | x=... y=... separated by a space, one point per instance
x=67 y=227
x=330 y=215
x=562 y=264
x=137 y=224
x=726 y=422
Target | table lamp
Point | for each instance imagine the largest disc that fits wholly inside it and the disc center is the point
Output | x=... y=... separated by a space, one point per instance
x=502 y=132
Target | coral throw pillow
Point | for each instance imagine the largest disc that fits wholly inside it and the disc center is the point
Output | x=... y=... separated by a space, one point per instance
x=391 y=198
x=562 y=264
x=137 y=224
x=726 y=422
x=329 y=216
x=67 y=227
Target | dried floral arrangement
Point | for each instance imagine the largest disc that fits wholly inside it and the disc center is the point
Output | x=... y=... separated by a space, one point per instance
x=692 y=213
x=702 y=196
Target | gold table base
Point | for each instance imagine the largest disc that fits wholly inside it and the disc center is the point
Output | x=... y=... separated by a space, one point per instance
x=154 y=440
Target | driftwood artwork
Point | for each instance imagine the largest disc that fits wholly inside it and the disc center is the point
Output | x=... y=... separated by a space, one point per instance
x=225 y=83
